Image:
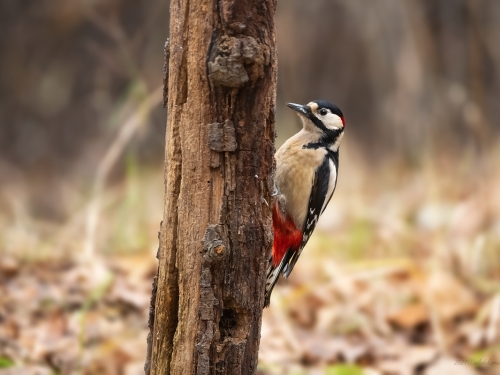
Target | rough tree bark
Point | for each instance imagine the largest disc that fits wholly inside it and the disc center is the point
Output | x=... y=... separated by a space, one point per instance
x=216 y=232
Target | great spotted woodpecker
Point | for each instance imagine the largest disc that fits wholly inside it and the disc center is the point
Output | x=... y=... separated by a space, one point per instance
x=306 y=176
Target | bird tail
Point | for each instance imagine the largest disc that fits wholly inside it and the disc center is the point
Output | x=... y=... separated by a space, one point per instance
x=273 y=274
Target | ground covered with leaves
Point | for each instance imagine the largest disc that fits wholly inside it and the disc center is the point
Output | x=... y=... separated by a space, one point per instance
x=64 y=318
x=400 y=278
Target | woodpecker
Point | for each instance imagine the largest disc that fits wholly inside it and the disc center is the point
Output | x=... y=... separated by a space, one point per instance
x=306 y=176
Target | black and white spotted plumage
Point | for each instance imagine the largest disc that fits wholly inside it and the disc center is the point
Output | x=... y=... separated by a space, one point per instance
x=322 y=191
x=306 y=177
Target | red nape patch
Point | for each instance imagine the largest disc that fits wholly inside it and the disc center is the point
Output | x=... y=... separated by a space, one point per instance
x=286 y=235
x=343 y=122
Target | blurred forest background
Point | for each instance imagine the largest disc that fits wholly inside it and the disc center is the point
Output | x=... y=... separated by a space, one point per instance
x=403 y=273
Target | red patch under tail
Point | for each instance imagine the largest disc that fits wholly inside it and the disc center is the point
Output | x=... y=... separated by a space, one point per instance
x=286 y=235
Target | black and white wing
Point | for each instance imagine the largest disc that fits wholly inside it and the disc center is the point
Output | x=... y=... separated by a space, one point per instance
x=322 y=190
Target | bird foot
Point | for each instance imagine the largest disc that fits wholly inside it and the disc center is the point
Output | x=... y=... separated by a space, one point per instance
x=275 y=191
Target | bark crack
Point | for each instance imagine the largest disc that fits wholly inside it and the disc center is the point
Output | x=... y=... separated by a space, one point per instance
x=166 y=51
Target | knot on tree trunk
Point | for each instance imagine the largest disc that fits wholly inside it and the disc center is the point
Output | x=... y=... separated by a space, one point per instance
x=215 y=250
x=222 y=137
x=237 y=60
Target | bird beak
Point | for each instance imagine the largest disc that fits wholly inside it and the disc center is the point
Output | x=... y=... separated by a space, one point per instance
x=302 y=109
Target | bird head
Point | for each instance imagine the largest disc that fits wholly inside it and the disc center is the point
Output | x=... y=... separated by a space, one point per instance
x=322 y=118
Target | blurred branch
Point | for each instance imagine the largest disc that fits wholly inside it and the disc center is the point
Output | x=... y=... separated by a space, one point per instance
x=154 y=14
x=110 y=26
x=108 y=58
x=110 y=159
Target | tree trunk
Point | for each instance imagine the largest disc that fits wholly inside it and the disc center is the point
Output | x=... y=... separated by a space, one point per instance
x=216 y=234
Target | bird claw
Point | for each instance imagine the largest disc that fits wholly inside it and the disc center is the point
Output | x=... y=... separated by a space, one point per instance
x=275 y=191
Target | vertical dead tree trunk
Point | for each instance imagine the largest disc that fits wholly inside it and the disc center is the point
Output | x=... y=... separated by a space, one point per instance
x=216 y=232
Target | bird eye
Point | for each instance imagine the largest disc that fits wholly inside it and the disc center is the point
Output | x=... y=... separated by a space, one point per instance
x=323 y=111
